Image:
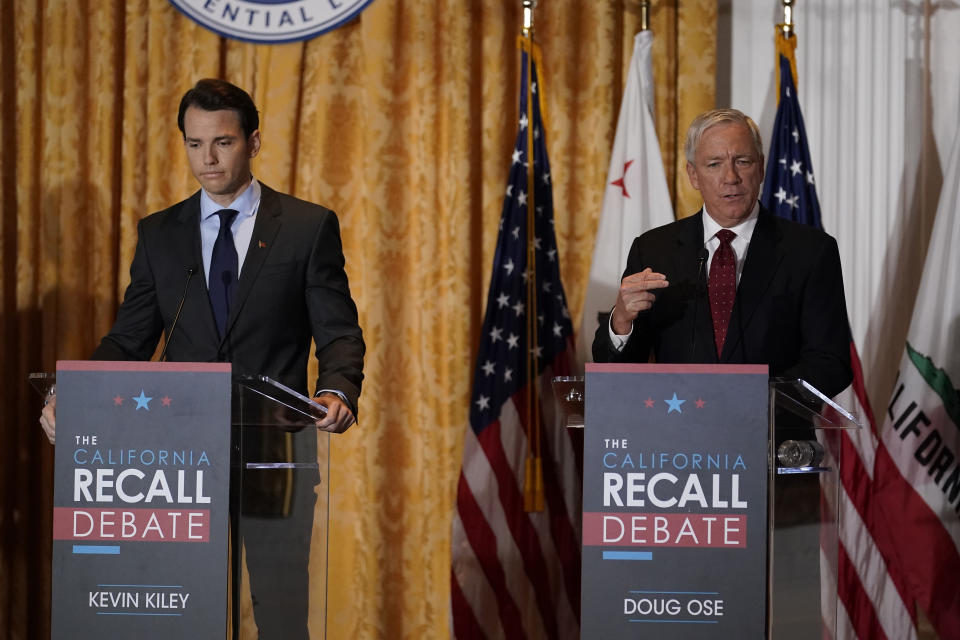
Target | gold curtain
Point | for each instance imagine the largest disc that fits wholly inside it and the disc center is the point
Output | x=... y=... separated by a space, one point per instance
x=403 y=122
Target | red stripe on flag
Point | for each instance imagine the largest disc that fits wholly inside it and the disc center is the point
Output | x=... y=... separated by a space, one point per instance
x=921 y=557
x=860 y=489
x=861 y=609
x=564 y=537
x=483 y=541
x=855 y=599
x=524 y=535
x=917 y=539
x=856 y=482
x=859 y=388
x=465 y=625
x=923 y=546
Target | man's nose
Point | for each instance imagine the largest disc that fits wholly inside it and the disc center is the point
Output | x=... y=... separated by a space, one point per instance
x=730 y=174
x=209 y=157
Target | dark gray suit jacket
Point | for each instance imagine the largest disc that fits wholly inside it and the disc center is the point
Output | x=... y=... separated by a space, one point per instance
x=292 y=288
x=789 y=313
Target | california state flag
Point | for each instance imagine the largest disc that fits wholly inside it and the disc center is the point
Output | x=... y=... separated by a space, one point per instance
x=917 y=476
x=636 y=197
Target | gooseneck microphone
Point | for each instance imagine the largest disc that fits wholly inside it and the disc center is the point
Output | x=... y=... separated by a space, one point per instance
x=173 y=325
x=701 y=262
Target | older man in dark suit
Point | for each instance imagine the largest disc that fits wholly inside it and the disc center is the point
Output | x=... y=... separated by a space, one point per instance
x=732 y=283
x=243 y=274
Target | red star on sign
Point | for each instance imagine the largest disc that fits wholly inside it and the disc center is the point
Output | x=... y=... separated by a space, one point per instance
x=117 y=401
x=649 y=403
x=165 y=400
x=700 y=402
x=619 y=182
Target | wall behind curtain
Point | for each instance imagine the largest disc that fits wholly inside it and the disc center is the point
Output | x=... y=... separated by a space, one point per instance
x=403 y=122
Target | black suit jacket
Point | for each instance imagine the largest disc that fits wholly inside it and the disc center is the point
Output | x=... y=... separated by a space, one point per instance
x=292 y=287
x=789 y=313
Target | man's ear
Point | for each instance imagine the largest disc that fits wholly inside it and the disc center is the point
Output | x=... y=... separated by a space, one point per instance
x=254 y=143
x=692 y=176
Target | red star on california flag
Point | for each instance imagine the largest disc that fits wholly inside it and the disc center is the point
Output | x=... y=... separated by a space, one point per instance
x=619 y=181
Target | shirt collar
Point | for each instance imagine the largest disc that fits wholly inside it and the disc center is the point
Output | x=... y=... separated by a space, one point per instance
x=246 y=203
x=743 y=230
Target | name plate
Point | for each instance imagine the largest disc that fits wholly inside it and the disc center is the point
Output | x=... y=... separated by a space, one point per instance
x=675 y=494
x=141 y=488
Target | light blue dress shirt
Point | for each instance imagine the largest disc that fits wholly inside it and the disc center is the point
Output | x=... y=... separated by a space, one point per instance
x=246 y=204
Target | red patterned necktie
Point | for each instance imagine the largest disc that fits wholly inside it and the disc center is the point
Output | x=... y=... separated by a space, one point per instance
x=722 y=287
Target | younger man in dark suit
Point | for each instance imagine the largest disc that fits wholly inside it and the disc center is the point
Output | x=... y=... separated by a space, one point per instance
x=272 y=279
x=732 y=283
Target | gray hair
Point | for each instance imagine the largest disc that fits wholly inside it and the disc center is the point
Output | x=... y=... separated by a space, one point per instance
x=719 y=116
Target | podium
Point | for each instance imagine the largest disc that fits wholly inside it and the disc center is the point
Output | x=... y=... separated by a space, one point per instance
x=143 y=450
x=700 y=523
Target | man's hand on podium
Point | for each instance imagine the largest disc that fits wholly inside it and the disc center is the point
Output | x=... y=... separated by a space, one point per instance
x=48 y=417
x=339 y=418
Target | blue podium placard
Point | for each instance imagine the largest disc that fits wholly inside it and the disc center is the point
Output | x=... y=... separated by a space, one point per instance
x=675 y=501
x=141 y=489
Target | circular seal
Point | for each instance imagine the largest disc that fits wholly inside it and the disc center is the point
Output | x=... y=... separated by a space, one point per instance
x=270 y=21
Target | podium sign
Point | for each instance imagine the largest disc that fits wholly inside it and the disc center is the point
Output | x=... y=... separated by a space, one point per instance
x=675 y=492
x=141 y=486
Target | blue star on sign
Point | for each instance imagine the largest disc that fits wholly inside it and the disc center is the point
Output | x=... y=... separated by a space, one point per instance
x=143 y=402
x=674 y=404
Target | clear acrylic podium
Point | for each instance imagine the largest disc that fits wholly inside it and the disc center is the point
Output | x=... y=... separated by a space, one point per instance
x=280 y=482
x=279 y=508
x=804 y=518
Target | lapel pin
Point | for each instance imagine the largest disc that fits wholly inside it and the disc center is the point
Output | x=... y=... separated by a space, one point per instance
x=262 y=244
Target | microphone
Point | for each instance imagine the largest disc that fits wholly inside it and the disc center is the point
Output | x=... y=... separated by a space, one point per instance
x=190 y=271
x=701 y=261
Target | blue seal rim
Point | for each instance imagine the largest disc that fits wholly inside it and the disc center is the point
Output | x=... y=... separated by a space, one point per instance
x=184 y=10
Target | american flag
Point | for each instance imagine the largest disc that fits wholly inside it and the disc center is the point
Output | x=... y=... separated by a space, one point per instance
x=516 y=573
x=874 y=601
x=788 y=189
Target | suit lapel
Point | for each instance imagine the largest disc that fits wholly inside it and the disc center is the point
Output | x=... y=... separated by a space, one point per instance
x=265 y=229
x=763 y=259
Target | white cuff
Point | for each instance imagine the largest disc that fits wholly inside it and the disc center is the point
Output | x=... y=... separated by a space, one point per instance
x=618 y=341
x=339 y=394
